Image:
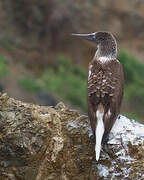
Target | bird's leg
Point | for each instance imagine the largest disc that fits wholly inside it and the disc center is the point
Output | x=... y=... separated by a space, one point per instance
x=108 y=151
x=105 y=138
x=105 y=148
x=104 y=143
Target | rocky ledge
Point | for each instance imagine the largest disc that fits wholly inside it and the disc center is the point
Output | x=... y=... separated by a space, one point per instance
x=46 y=143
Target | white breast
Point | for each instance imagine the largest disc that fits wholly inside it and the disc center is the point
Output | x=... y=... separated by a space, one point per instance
x=104 y=59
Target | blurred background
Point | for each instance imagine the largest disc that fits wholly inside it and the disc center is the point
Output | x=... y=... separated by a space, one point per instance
x=41 y=63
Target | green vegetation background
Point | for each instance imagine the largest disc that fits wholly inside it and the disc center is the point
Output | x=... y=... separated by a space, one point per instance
x=68 y=81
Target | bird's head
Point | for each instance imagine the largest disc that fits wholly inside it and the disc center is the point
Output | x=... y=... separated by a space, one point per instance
x=99 y=38
x=105 y=42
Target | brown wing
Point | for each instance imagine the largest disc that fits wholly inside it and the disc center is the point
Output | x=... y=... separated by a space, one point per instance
x=117 y=95
x=105 y=86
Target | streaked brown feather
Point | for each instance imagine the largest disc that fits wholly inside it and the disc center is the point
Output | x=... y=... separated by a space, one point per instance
x=105 y=85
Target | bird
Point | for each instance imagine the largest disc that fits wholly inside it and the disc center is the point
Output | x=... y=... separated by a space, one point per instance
x=105 y=86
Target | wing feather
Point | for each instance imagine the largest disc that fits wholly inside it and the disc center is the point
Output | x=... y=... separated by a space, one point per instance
x=116 y=100
x=105 y=85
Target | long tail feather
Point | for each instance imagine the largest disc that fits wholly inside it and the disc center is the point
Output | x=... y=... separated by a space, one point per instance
x=99 y=133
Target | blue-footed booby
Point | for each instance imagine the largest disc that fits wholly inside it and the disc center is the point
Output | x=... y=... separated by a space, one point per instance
x=104 y=86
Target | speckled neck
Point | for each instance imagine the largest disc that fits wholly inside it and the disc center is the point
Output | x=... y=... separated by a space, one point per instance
x=107 y=49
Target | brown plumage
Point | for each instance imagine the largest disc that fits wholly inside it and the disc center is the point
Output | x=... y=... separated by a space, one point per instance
x=104 y=86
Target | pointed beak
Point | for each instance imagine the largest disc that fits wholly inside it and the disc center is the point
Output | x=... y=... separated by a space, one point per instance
x=90 y=37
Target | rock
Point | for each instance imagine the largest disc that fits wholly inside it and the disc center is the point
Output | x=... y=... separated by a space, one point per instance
x=38 y=142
